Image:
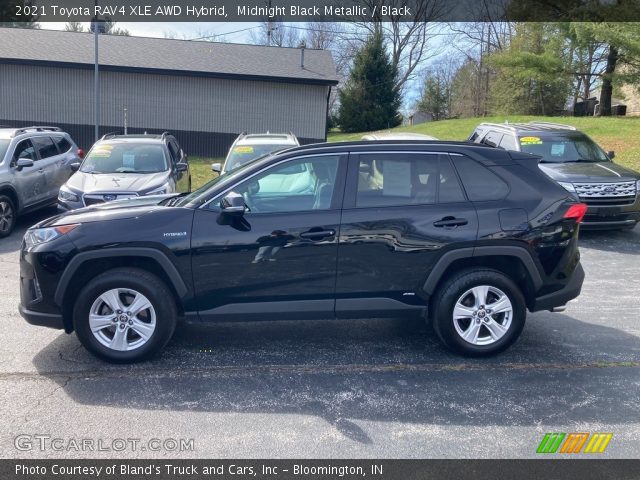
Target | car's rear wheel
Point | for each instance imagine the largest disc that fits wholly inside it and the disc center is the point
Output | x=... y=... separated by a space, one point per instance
x=125 y=315
x=478 y=312
x=7 y=216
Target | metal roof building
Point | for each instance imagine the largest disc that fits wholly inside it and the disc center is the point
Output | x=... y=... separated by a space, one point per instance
x=205 y=93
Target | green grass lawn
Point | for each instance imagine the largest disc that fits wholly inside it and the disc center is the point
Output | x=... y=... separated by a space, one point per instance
x=621 y=134
x=201 y=171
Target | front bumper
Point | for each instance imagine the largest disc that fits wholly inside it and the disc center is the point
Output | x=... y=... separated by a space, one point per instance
x=51 y=320
x=561 y=297
x=606 y=217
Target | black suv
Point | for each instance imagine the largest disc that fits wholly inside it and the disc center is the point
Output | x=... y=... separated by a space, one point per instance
x=576 y=162
x=466 y=236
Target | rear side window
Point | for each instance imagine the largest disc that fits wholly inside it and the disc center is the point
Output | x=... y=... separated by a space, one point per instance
x=508 y=142
x=480 y=183
x=45 y=147
x=386 y=180
x=492 y=139
x=63 y=144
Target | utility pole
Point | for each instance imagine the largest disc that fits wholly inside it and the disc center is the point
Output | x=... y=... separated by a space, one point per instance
x=269 y=23
x=96 y=27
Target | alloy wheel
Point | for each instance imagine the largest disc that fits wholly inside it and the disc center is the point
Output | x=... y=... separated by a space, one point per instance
x=482 y=315
x=122 y=319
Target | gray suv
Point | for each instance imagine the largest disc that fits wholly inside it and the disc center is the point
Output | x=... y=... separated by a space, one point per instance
x=122 y=167
x=34 y=163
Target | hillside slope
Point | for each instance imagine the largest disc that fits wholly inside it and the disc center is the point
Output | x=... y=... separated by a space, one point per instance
x=620 y=134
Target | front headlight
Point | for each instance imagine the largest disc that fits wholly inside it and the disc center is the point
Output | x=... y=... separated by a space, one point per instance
x=67 y=195
x=568 y=186
x=37 y=236
x=160 y=190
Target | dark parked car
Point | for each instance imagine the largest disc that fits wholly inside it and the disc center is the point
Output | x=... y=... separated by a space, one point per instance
x=466 y=236
x=127 y=166
x=576 y=162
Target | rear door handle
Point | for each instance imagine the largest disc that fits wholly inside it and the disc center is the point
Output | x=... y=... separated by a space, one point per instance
x=450 y=222
x=317 y=234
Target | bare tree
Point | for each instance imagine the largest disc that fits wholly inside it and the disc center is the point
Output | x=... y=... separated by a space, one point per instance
x=277 y=34
x=408 y=40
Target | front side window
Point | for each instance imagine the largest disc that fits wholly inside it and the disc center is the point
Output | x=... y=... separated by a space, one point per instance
x=294 y=186
x=575 y=147
x=406 y=179
x=125 y=158
x=25 y=150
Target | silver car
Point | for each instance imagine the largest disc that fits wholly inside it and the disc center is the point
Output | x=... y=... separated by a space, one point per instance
x=34 y=163
x=248 y=147
x=127 y=166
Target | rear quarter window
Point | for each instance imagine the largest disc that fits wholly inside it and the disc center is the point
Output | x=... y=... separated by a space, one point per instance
x=480 y=183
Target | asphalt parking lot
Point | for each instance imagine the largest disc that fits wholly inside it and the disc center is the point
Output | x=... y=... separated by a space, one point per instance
x=356 y=389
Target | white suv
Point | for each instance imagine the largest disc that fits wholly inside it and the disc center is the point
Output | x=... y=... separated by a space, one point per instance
x=248 y=147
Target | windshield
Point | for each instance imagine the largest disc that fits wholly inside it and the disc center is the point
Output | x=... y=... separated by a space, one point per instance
x=242 y=154
x=563 y=148
x=125 y=158
x=4 y=144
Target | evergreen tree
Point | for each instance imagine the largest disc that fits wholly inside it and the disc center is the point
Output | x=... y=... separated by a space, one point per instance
x=434 y=98
x=370 y=99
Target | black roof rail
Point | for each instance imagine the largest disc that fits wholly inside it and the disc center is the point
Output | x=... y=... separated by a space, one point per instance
x=164 y=134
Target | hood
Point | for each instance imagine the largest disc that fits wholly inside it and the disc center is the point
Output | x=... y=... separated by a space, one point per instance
x=116 y=210
x=116 y=182
x=589 y=172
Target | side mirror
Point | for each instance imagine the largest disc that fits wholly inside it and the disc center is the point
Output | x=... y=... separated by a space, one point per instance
x=216 y=167
x=75 y=166
x=182 y=166
x=611 y=154
x=24 y=163
x=233 y=204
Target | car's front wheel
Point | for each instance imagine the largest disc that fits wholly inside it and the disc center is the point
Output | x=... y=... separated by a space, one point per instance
x=125 y=315
x=478 y=312
x=7 y=216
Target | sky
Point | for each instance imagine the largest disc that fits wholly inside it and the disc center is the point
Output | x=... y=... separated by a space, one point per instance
x=233 y=32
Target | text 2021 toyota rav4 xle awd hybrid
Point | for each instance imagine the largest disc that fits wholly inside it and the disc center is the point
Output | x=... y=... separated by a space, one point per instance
x=469 y=237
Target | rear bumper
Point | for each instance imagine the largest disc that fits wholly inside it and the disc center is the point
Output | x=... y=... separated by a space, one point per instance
x=561 y=297
x=50 y=320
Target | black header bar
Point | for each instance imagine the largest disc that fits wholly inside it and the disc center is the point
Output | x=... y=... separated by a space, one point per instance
x=320 y=10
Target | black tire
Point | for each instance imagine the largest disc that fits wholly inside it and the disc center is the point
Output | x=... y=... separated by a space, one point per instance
x=449 y=293
x=7 y=216
x=154 y=289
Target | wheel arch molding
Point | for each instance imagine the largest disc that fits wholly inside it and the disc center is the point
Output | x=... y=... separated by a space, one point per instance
x=165 y=264
x=442 y=266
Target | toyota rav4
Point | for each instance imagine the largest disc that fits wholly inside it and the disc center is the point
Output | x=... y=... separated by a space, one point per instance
x=466 y=236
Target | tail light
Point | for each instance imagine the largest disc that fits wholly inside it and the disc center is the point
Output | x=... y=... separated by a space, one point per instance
x=576 y=212
x=80 y=153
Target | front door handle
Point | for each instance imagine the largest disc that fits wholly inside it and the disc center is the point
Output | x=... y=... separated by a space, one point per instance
x=314 y=234
x=450 y=222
